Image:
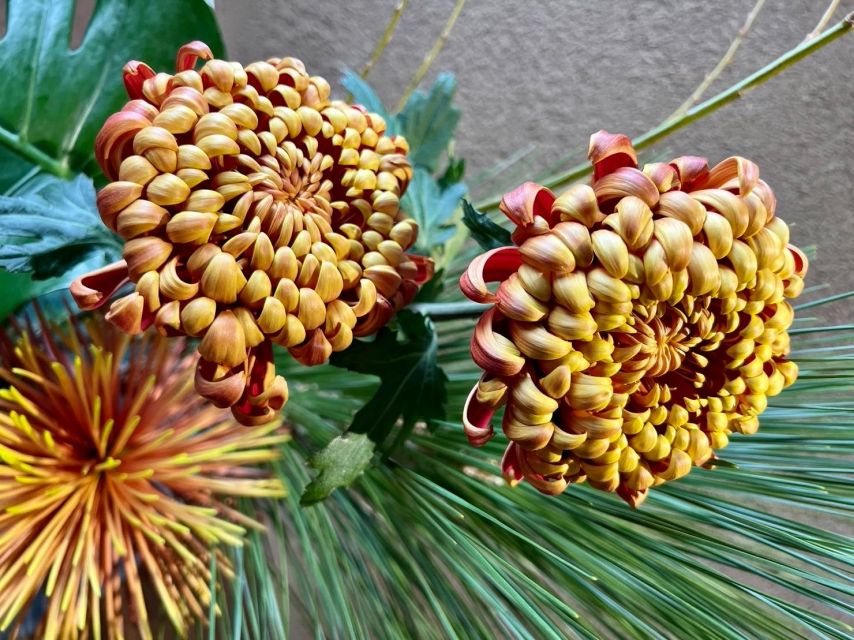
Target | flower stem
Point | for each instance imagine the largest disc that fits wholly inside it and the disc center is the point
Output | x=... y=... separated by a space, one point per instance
x=385 y=38
x=431 y=56
x=711 y=105
x=449 y=310
x=722 y=64
x=35 y=155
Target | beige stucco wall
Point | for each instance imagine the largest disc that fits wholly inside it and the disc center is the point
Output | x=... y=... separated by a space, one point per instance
x=549 y=73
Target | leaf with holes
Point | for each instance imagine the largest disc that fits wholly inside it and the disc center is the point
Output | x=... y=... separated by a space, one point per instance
x=412 y=385
x=55 y=99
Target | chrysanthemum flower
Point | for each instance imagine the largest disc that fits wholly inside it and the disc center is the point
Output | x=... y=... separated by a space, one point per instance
x=115 y=481
x=255 y=211
x=639 y=321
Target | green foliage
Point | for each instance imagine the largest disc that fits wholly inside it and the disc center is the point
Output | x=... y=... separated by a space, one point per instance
x=412 y=385
x=52 y=225
x=338 y=465
x=55 y=100
x=432 y=208
x=433 y=545
x=428 y=121
x=484 y=231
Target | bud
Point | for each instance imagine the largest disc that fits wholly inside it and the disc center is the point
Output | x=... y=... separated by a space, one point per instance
x=638 y=323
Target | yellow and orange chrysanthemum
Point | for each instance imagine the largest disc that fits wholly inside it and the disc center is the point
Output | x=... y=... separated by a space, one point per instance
x=115 y=481
x=639 y=322
x=255 y=210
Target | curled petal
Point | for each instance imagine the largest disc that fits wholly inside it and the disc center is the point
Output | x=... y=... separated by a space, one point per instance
x=93 y=289
x=492 y=352
x=189 y=53
x=610 y=151
x=115 y=140
x=491 y=266
x=135 y=74
x=126 y=313
x=692 y=171
x=426 y=267
x=801 y=261
x=477 y=418
x=223 y=391
x=663 y=175
x=510 y=467
x=626 y=181
x=525 y=202
x=734 y=173
x=316 y=350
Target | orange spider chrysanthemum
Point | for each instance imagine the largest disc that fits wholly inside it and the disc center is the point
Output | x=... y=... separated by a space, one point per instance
x=255 y=211
x=115 y=481
x=639 y=322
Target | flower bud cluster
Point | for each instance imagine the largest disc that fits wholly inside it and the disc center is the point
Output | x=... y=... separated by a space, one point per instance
x=254 y=210
x=638 y=323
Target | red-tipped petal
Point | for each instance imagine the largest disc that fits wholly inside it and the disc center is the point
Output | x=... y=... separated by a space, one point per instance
x=610 y=151
x=492 y=266
x=93 y=289
x=190 y=52
x=425 y=268
x=733 y=173
x=117 y=133
x=135 y=74
x=510 y=466
x=801 y=261
x=624 y=182
x=692 y=170
x=477 y=418
x=525 y=202
x=492 y=352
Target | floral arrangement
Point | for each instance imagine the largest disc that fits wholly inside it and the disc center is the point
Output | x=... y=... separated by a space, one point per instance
x=257 y=341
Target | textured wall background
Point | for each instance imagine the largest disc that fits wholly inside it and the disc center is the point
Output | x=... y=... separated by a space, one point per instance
x=550 y=73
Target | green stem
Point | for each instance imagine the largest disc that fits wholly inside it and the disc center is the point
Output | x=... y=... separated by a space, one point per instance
x=431 y=56
x=385 y=38
x=711 y=105
x=34 y=154
x=449 y=310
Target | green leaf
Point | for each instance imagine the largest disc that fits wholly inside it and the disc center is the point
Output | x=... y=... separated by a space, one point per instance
x=428 y=122
x=55 y=100
x=15 y=289
x=454 y=173
x=51 y=227
x=484 y=231
x=364 y=95
x=432 y=209
x=412 y=385
x=339 y=464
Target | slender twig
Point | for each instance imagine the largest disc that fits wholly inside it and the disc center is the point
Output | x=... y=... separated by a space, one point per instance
x=711 y=105
x=385 y=38
x=825 y=19
x=431 y=56
x=722 y=64
x=449 y=310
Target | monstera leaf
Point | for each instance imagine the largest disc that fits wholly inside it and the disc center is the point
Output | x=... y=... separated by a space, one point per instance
x=55 y=98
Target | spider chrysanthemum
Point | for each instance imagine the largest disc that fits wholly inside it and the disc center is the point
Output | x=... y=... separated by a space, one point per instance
x=638 y=322
x=255 y=210
x=116 y=482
